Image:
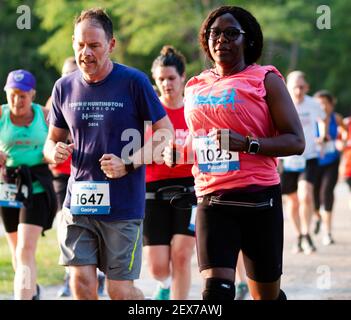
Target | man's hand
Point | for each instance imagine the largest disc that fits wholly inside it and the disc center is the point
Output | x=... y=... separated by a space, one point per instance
x=112 y=166
x=3 y=157
x=62 y=151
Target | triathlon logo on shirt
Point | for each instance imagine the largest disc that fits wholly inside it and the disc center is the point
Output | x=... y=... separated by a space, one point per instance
x=92 y=116
x=94 y=111
x=226 y=100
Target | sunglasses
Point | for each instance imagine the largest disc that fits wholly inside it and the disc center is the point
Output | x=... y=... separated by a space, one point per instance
x=231 y=33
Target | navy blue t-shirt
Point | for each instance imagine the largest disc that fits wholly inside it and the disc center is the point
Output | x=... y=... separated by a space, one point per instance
x=96 y=115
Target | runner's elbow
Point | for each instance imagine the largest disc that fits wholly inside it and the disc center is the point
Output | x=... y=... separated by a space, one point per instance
x=300 y=145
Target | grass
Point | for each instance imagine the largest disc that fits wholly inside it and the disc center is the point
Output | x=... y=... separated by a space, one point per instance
x=49 y=272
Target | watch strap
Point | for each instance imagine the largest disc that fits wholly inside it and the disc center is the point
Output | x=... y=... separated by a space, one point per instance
x=129 y=167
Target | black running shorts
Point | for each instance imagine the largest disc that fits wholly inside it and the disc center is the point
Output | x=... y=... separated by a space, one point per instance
x=164 y=219
x=289 y=180
x=37 y=215
x=240 y=220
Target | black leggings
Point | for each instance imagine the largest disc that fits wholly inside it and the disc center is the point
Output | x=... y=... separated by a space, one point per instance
x=325 y=182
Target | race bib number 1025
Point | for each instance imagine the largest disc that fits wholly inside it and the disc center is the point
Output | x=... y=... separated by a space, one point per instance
x=212 y=159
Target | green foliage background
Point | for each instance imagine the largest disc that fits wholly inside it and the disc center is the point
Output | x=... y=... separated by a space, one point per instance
x=142 y=27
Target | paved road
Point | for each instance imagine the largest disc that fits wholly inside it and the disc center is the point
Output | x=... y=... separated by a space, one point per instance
x=323 y=275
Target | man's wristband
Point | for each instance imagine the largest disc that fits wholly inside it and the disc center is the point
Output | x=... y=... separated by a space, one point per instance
x=129 y=167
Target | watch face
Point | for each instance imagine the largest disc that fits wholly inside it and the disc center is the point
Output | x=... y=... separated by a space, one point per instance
x=254 y=146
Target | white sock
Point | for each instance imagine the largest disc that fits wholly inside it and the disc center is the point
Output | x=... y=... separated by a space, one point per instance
x=99 y=273
x=165 y=284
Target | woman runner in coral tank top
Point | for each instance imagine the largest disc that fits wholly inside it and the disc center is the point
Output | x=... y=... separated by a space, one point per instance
x=241 y=118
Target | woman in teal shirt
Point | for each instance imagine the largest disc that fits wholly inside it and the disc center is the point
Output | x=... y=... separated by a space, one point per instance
x=27 y=209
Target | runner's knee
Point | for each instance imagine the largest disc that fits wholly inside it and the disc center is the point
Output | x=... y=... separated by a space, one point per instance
x=83 y=287
x=159 y=271
x=123 y=290
x=181 y=258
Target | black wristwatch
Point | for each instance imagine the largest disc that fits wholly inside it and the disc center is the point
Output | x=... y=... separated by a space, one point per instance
x=253 y=145
x=129 y=167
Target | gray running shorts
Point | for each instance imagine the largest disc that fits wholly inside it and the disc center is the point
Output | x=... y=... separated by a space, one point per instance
x=114 y=247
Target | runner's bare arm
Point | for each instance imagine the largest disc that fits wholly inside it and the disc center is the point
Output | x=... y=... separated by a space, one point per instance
x=285 y=119
x=46 y=113
x=55 y=150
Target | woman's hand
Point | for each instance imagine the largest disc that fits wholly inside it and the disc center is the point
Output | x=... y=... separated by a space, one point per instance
x=172 y=155
x=228 y=139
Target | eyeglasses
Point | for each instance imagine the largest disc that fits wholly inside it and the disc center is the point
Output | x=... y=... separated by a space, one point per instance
x=230 y=33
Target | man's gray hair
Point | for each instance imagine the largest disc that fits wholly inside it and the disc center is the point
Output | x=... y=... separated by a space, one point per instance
x=294 y=75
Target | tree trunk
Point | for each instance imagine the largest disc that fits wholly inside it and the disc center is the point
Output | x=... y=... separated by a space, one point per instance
x=294 y=52
x=269 y=52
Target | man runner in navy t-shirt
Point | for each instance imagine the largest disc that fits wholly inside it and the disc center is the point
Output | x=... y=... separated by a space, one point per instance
x=102 y=105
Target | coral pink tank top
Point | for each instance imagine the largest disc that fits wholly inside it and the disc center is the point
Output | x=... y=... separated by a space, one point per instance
x=235 y=102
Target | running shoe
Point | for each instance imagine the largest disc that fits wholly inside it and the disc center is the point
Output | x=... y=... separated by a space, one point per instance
x=37 y=295
x=297 y=247
x=328 y=240
x=308 y=245
x=65 y=290
x=162 y=294
x=317 y=226
x=241 y=291
x=101 y=284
